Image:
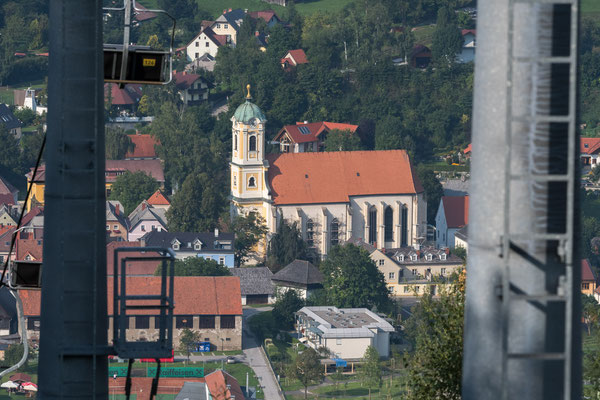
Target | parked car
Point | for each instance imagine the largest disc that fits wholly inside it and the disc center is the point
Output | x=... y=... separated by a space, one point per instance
x=231 y=360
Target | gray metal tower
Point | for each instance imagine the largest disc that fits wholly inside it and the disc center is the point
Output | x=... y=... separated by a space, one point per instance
x=522 y=337
x=73 y=340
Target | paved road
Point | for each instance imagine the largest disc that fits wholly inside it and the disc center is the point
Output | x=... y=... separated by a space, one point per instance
x=256 y=359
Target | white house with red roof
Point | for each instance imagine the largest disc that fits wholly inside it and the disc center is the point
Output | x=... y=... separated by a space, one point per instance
x=293 y=58
x=452 y=215
x=306 y=137
x=467 y=53
x=193 y=89
x=159 y=200
x=205 y=42
x=589 y=150
x=124 y=100
x=332 y=196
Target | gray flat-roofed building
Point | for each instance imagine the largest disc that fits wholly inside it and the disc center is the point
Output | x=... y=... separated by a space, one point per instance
x=256 y=285
x=346 y=332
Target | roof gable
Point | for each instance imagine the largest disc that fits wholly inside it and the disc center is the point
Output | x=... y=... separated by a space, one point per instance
x=158 y=199
x=300 y=272
x=456 y=210
x=297 y=56
x=310 y=132
x=589 y=145
x=587 y=273
x=334 y=177
x=8 y=118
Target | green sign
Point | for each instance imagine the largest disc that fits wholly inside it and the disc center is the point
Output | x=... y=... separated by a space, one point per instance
x=165 y=372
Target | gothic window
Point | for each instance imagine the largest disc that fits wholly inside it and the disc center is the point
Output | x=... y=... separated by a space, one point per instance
x=389 y=224
x=335 y=229
x=235 y=140
x=373 y=225
x=251 y=182
x=404 y=227
x=252 y=143
x=310 y=233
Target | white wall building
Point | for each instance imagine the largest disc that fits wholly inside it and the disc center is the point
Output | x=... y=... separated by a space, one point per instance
x=346 y=332
x=453 y=214
x=206 y=42
x=467 y=53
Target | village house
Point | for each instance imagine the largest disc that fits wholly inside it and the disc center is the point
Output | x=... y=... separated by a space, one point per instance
x=123 y=101
x=144 y=147
x=345 y=332
x=8 y=193
x=269 y=16
x=132 y=268
x=217 y=246
x=193 y=89
x=6 y=233
x=159 y=200
x=453 y=214
x=304 y=137
x=590 y=151
x=461 y=237
x=146 y=218
x=467 y=53
x=589 y=281
x=210 y=306
x=299 y=275
x=116 y=221
x=293 y=58
x=9 y=215
x=332 y=196
x=256 y=284
x=10 y=122
x=228 y=24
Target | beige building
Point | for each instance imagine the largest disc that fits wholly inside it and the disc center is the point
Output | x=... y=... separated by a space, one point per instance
x=345 y=332
x=210 y=306
x=332 y=196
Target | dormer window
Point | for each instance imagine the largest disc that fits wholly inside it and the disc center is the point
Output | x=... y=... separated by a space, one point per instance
x=413 y=257
x=429 y=257
x=197 y=245
x=586 y=145
x=443 y=256
x=175 y=246
x=401 y=258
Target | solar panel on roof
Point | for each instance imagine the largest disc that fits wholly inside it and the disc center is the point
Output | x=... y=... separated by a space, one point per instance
x=304 y=130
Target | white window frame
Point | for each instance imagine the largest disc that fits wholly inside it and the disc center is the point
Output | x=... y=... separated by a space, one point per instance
x=392 y=275
x=222 y=260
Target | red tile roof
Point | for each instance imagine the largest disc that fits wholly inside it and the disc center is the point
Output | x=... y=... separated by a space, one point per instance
x=143 y=14
x=121 y=97
x=587 y=274
x=467 y=31
x=315 y=129
x=144 y=146
x=133 y=268
x=40 y=176
x=333 y=177
x=265 y=15
x=7 y=199
x=297 y=56
x=219 y=40
x=218 y=383
x=152 y=168
x=158 y=199
x=141 y=386
x=589 y=145
x=31 y=214
x=468 y=149
x=6 y=187
x=456 y=210
x=184 y=80
x=194 y=295
x=31 y=247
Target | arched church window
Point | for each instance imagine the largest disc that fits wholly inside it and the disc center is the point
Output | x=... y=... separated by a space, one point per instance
x=389 y=224
x=252 y=182
x=404 y=227
x=310 y=233
x=335 y=232
x=252 y=143
x=372 y=225
x=235 y=140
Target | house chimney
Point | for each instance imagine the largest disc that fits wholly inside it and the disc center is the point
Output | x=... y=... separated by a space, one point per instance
x=447 y=249
x=116 y=209
x=418 y=253
x=230 y=10
x=224 y=11
x=256 y=33
x=216 y=232
x=144 y=205
x=306 y=122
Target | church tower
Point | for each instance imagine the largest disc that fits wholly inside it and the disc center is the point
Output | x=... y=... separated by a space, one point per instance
x=249 y=187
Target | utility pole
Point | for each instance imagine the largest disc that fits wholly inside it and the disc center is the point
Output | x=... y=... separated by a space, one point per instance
x=73 y=337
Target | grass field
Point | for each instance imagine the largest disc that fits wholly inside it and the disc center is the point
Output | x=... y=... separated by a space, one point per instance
x=590 y=6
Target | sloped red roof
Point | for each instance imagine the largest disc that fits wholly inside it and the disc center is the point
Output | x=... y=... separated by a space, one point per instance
x=143 y=14
x=265 y=15
x=151 y=167
x=219 y=40
x=158 y=199
x=333 y=177
x=33 y=247
x=120 y=97
x=223 y=386
x=6 y=187
x=141 y=386
x=144 y=146
x=194 y=295
x=184 y=80
x=587 y=274
x=7 y=199
x=466 y=31
x=456 y=210
x=314 y=129
x=35 y=211
x=40 y=176
x=589 y=145
x=298 y=56
x=468 y=149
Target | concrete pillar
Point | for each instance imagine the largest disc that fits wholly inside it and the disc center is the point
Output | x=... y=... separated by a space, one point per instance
x=324 y=231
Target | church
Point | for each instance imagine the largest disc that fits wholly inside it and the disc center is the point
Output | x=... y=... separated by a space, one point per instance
x=375 y=196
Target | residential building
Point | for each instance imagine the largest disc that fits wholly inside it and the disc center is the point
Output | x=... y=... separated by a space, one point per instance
x=144 y=147
x=467 y=53
x=8 y=193
x=205 y=61
x=269 y=16
x=29 y=245
x=331 y=195
x=217 y=246
x=193 y=89
x=223 y=386
x=308 y=137
x=205 y=42
x=345 y=332
x=589 y=150
x=589 y=282
x=159 y=200
x=124 y=100
x=144 y=219
x=6 y=233
x=10 y=122
x=208 y=305
x=256 y=285
x=116 y=221
x=293 y=58
x=113 y=169
x=299 y=275
x=461 y=237
x=9 y=215
x=420 y=56
x=228 y=24
x=453 y=214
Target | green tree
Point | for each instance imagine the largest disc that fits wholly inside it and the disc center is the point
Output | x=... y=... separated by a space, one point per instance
x=25 y=115
x=353 y=280
x=197 y=206
x=117 y=143
x=433 y=191
x=13 y=354
x=590 y=311
x=591 y=369
x=285 y=246
x=9 y=151
x=187 y=341
x=436 y=331
x=370 y=371
x=249 y=231
x=307 y=369
x=197 y=266
x=284 y=308
x=447 y=39
x=131 y=188
x=342 y=140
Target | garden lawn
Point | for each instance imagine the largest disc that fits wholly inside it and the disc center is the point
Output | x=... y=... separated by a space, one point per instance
x=216 y=7
x=590 y=6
